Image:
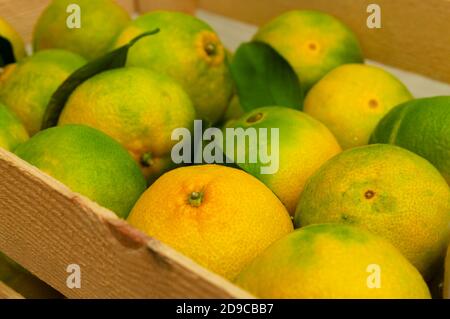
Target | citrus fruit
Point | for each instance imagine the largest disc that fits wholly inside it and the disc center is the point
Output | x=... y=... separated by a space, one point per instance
x=23 y=282
x=304 y=144
x=219 y=216
x=6 y=71
x=332 y=261
x=390 y=191
x=28 y=87
x=12 y=132
x=89 y=162
x=447 y=275
x=421 y=126
x=10 y=34
x=352 y=99
x=101 y=21
x=313 y=43
x=137 y=107
x=188 y=50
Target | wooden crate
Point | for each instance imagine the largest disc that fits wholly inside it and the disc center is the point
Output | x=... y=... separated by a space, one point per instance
x=46 y=227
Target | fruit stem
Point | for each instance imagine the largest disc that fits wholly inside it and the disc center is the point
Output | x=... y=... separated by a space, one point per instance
x=195 y=199
x=210 y=49
x=147 y=159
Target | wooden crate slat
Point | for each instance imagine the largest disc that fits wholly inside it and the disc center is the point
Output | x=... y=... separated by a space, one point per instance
x=414 y=35
x=22 y=14
x=188 y=6
x=45 y=227
x=8 y=293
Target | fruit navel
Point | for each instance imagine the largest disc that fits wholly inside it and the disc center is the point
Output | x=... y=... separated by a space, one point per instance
x=195 y=199
x=373 y=104
x=369 y=194
x=313 y=46
x=147 y=159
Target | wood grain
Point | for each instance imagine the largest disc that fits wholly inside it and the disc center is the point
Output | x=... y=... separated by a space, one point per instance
x=415 y=34
x=187 y=6
x=8 y=293
x=45 y=227
x=23 y=14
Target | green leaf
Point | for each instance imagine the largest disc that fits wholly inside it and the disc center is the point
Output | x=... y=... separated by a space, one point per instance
x=264 y=78
x=112 y=60
x=6 y=52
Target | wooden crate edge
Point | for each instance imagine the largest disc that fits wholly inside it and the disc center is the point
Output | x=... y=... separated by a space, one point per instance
x=156 y=271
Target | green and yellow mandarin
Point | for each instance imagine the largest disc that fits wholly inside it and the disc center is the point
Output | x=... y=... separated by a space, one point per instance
x=388 y=190
x=304 y=145
x=352 y=99
x=89 y=162
x=313 y=43
x=188 y=50
x=421 y=126
x=27 y=87
x=12 y=132
x=101 y=23
x=332 y=261
x=219 y=216
x=137 y=107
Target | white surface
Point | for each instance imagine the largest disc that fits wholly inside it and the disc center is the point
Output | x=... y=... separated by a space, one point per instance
x=233 y=33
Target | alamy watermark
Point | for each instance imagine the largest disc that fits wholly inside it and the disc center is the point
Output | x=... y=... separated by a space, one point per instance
x=73 y=20
x=374 y=19
x=374 y=279
x=238 y=145
x=73 y=280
